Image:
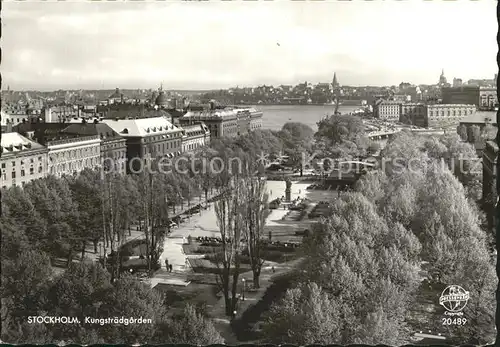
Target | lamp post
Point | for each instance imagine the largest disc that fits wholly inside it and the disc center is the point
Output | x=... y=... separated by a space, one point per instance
x=244 y=287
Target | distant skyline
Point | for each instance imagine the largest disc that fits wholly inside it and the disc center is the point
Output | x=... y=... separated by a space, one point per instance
x=214 y=45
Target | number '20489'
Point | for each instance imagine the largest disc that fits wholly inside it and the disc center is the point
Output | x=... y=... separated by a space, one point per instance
x=454 y=321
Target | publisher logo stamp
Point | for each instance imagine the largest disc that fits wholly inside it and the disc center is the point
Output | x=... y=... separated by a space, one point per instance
x=454 y=299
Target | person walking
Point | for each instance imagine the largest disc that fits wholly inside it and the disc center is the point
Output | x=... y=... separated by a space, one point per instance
x=166 y=264
x=170 y=268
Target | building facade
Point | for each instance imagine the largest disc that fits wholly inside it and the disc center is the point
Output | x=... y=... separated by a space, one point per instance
x=219 y=122
x=413 y=113
x=488 y=99
x=71 y=155
x=195 y=136
x=60 y=114
x=490 y=197
x=225 y=122
x=10 y=120
x=147 y=138
x=113 y=147
x=249 y=119
x=443 y=115
x=22 y=160
x=388 y=110
x=468 y=95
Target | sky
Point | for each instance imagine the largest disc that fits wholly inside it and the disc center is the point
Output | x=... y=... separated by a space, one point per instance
x=211 y=45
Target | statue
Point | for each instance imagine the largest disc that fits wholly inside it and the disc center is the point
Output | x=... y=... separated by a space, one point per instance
x=288 y=195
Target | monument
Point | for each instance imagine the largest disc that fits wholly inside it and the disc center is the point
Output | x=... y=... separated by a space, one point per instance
x=288 y=190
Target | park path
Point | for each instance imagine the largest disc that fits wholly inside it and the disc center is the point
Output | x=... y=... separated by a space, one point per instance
x=267 y=276
x=205 y=224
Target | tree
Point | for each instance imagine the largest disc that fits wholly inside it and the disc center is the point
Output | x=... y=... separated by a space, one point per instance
x=86 y=193
x=372 y=185
x=435 y=148
x=230 y=223
x=79 y=292
x=367 y=266
x=378 y=328
x=14 y=240
x=24 y=281
x=474 y=134
x=18 y=208
x=337 y=128
x=189 y=328
x=254 y=215
x=341 y=136
x=404 y=152
x=400 y=203
x=297 y=139
x=462 y=132
x=489 y=132
x=131 y=298
x=477 y=274
x=306 y=315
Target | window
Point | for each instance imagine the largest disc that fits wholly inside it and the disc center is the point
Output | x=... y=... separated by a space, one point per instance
x=32 y=170
x=23 y=173
x=3 y=165
x=13 y=174
x=32 y=160
x=40 y=169
x=13 y=163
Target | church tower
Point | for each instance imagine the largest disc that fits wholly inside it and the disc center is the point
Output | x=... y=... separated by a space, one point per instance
x=442 y=79
x=335 y=83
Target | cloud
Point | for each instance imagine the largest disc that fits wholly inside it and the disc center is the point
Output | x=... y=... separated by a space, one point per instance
x=214 y=45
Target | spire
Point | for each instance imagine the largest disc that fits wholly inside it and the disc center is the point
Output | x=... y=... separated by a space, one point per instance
x=335 y=83
x=442 y=79
x=161 y=87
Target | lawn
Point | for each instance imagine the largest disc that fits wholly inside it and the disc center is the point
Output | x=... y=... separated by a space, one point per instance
x=198 y=294
x=198 y=248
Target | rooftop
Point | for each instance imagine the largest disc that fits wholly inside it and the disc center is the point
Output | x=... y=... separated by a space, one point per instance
x=131 y=111
x=161 y=99
x=212 y=113
x=141 y=127
x=460 y=88
x=452 y=105
x=194 y=129
x=89 y=129
x=481 y=117
x=15 y=142
x=116 y=95
x=226 y=112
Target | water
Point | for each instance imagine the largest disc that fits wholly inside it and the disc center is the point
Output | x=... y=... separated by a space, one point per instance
x=276 y=116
